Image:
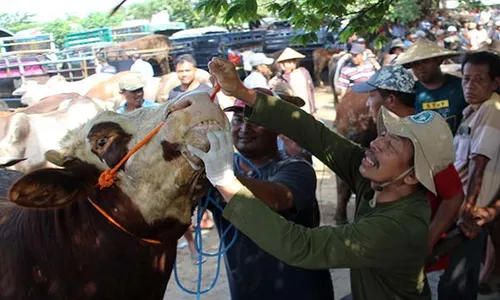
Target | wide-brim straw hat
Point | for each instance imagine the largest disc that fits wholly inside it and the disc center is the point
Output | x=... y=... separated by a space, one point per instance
x=288 y=54
x=423 y=49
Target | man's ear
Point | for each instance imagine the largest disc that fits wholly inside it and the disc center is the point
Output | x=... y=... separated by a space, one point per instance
x=48 y=188
x=411 y=179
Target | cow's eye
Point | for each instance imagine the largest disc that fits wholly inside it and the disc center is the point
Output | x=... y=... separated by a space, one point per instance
x=102 y=142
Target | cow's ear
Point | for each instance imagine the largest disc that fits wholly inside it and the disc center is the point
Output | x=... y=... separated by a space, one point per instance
x=19 y=128
x=49 y=188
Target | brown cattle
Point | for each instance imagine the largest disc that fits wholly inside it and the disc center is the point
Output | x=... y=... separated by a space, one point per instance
x=321 y=58
x=29 y=134
x=155 y=41
x=63 y=247
x=353 y=122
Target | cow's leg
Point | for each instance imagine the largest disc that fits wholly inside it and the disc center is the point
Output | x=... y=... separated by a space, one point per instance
x=317 y=71
x=343 y=196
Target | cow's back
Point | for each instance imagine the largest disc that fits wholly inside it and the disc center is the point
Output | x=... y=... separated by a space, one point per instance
x=353 y=120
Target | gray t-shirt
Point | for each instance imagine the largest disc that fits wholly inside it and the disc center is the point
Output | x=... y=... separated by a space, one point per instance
x=176 y=92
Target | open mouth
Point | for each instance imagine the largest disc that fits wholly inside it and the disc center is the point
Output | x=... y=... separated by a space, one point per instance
x=196 y=136
x=370 y=161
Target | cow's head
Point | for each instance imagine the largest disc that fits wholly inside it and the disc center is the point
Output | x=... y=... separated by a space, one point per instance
x=160 y=179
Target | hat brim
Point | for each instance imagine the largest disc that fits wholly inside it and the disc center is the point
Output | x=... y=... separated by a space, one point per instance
x=406 y=61
x=133 y=88
x=398 y=126
x=363 y=87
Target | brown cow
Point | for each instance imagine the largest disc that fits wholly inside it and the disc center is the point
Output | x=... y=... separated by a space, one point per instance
x=353 y=122
x=154 y=41
x=63 y=247
x=321 y=58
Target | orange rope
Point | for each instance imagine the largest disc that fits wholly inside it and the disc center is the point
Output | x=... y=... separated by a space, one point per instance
x=112 y=221
x=214 y=93
x=107 y=177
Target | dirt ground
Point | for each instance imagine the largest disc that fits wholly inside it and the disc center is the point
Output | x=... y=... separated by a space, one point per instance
x=326 y=193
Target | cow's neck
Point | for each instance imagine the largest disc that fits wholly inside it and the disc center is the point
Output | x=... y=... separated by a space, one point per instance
x=122 y=209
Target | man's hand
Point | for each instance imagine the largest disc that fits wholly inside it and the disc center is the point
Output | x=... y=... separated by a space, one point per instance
x=484 y=215
x=219 y=159
x=225 y=75
x=469 y=228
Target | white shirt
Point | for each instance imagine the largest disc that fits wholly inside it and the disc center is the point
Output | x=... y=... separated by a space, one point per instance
x=255 y=80
x=142 y=67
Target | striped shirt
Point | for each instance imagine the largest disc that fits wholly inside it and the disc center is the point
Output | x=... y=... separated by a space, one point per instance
x=351 y=74
x=479 y=133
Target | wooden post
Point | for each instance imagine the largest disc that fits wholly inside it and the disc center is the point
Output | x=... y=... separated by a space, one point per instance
x=20 y=67
x=83 y=62
x=70 y=67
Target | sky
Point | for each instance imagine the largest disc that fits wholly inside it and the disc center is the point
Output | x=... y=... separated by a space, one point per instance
x=47 y=10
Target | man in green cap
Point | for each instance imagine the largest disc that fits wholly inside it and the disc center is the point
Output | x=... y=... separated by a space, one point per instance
x=386 y=245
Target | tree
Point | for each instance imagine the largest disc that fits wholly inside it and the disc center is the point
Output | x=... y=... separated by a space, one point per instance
x=365 y=16
x=17 y=22
x=100 y=19
x=59 y=29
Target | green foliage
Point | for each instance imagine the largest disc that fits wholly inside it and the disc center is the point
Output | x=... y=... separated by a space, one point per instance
x=405 y=11
x=17 y=22
x=59 y=28
x=101 y=19
x=309 y=15
x=471 y=4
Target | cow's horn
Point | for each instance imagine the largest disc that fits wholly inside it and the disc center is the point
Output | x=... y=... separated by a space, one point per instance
x=55 y=157
x=9 y=161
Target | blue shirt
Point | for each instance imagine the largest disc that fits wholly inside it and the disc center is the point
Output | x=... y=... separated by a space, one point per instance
x=123 y=108
x=255 y=274
x=447 y=100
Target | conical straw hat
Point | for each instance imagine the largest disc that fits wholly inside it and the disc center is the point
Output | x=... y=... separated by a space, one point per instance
x=289 y=53
x=423 y=49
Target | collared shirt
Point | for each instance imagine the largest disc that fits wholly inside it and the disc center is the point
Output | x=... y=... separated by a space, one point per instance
x=479 y=133
x=255 y=80
x=123 y=108
x=143 y=67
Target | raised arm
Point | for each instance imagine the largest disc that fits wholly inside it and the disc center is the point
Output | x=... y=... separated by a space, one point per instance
x=275 y=114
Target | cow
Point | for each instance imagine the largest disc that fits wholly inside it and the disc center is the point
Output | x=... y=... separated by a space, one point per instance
x=122 y=50
x=321 y=58
x=32 y=92
x=69 y=239
x=27 y=134
x=354 y=123
x=109 y=90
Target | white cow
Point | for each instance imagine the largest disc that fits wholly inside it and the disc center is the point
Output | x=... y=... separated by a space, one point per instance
x=32 y=92
x=31 y=135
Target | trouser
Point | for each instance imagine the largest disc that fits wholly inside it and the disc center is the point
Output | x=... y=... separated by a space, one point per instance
x=461 y=280
x=433 y=278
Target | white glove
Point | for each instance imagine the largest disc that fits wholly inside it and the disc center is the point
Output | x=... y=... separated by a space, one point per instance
x=219 y=159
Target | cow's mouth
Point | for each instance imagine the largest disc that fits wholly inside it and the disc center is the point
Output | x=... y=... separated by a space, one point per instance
x=196 y=136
